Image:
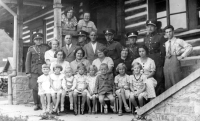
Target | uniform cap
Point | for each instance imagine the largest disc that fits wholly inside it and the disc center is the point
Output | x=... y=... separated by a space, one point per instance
x=109 y=31
x=82 y=33
x=132 y=34
x=151 y=22
x=37 y=35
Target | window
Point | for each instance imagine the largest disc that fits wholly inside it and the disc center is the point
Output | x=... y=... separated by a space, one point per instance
x=198 y=11
x=172 y=12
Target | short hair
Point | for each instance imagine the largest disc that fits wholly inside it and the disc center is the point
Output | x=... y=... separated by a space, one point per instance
x=94 y=67
x=121 y=65
x=81 y=65
x=169 y=27
x=58 y=66
x=45 y=66
x=104 y=50
x=80 y=48
x=86 y=12
x=144 y=47
x=123 y=48
x=136 y=63
x=55 y=55
x=68 y=35
x=55 y=41
x=69 y=69
x=104 y=64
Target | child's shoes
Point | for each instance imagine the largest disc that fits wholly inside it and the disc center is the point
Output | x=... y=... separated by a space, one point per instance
x=113 y=109
x=127 y=109
x=71 y=107
x=105 y=109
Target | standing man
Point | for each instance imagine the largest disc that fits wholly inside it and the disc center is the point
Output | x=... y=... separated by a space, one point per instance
x=82 y=38
x=69 y=48
x=176 y=49
x=155 y=43
x=34 y=61
x=113 y=47
x=92 y=47
x=131 y=44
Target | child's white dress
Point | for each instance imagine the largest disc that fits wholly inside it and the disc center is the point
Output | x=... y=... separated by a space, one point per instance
x=91 y=85
x=123 y=81
x=45 y=84
x=67 y=83
x=81 y=82
x=56 y=82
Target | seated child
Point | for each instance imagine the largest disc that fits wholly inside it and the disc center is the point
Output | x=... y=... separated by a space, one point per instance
x=122 y=83
x=56 y=85
x=138 y=86
x=68 y=86
x=91 y=79
x=80 y=87
x=104 y=87
x=44 y=88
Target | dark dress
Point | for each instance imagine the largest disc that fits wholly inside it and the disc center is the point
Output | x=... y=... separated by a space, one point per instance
x=127 y=62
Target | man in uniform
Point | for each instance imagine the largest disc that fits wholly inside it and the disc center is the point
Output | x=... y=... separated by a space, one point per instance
x=34 y=61
x=82 y=38
x=155 y=43
x=131 y=44
x=113 y=47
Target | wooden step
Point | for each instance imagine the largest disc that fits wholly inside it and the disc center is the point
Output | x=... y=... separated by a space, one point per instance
x=194 y=42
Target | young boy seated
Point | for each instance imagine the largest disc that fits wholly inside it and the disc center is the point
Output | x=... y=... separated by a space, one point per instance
x=104 y=87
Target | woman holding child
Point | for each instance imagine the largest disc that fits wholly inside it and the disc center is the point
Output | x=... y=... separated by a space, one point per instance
x=60 y=55
x=148 y=69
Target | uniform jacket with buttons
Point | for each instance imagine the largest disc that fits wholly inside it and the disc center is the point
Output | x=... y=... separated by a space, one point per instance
x=114 y=49
x=35 y=58
x=155 y=44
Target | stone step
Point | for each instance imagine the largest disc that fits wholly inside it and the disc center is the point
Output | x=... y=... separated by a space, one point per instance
x=194 y=42
x=196 y=51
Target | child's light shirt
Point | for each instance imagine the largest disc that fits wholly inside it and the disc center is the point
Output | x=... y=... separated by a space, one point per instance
x=123 y=81
x=57 y=80
x=68 y=82
x=44 y=80
x=91 y=80
x=80 y=81
x=138 y=84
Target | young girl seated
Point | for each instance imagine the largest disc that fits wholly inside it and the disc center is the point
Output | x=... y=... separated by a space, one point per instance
x=122 y=83
x=56 y=85
x=104 y=87
x=91 y=79
x=68 y=84
x=44 y=88
x=138 y=86
x=80 y=87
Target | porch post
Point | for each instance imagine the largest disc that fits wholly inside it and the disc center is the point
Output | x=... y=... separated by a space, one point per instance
x=19 y=37
x=57 y=21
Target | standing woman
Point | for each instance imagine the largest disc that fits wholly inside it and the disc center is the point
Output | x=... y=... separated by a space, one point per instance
x=33 y=64
x=49 y=55
x=148 y=69
x=60 y=55
x=79 y=54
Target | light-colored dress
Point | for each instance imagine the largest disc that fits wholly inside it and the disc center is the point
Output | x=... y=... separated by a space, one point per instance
x=91 y=80
x=64 y=64
x=80 y=83
x=88 y=27
x=56 y=82
x=44 y=81
x=107 y=60
x=68 y=83
x=151 y=83
x=75 y=63
x=138 y=85
x=125 y=82
x=49 y=55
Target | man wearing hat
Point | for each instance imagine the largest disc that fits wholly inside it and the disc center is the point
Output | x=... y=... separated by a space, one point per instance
x=34 y=61
x=113 y=47
x=131 y=44
x=155 y=43
x=82 y=38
